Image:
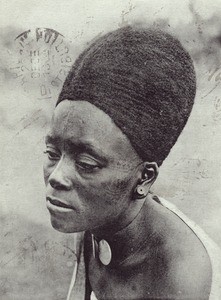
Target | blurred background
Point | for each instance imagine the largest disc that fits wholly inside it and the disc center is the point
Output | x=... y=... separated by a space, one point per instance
x=39 y=40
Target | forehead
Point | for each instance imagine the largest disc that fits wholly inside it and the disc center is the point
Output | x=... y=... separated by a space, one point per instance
x=82 y=122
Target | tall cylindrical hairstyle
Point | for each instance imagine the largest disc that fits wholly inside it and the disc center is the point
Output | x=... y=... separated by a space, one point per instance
x=144 y=80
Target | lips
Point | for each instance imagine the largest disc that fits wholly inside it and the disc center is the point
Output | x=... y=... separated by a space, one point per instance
x=58 y=203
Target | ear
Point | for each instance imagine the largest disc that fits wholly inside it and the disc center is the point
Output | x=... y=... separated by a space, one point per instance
x=148 y=175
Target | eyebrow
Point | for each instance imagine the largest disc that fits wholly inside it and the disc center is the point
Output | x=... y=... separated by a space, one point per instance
x=85 y=146
x=51 y=139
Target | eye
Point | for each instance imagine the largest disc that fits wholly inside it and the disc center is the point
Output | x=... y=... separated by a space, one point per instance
x=87 y=164
x=52 y=154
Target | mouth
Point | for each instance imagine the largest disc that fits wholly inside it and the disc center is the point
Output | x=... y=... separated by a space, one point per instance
x=55 y=204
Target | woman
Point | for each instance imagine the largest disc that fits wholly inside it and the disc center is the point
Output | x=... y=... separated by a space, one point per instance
x=121 y=109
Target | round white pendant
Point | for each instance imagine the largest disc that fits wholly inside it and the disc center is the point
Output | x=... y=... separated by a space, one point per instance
x=105 y=254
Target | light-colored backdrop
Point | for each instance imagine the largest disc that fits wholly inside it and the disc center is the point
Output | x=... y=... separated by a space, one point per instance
x=36 y=262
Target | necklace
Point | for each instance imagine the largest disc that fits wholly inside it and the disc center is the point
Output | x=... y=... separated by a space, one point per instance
x=101 y=250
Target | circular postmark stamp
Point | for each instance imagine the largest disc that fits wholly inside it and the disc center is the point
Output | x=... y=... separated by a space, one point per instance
x=43 y=61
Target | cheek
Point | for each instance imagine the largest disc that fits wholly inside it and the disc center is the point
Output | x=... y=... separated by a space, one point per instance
x=117 y=189
x=107 y=193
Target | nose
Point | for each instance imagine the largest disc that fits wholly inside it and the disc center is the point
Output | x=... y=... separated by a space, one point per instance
x=59 y=178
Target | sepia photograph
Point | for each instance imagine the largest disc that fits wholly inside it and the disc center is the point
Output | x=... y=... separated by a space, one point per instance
x=110 y=150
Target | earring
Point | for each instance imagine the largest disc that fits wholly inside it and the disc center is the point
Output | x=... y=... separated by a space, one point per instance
x=140 y=193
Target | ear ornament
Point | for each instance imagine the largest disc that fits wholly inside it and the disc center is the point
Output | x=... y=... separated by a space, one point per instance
x=139 y=193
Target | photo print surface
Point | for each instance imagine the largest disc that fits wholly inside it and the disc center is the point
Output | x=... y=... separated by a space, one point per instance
x=122 y=59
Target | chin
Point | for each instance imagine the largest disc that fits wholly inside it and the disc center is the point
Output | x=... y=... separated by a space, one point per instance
x=64 y=226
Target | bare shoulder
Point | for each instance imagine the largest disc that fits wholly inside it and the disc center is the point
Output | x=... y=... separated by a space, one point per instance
x=186 y=271
x=190 y=270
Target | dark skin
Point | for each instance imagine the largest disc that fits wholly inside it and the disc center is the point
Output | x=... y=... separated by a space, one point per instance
x=91 y=174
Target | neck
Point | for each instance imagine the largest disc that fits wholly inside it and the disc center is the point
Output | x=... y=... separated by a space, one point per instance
x=120 y=222
x=130 y=236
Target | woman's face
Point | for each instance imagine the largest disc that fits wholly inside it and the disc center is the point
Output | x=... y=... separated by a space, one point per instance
x=89 y=170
